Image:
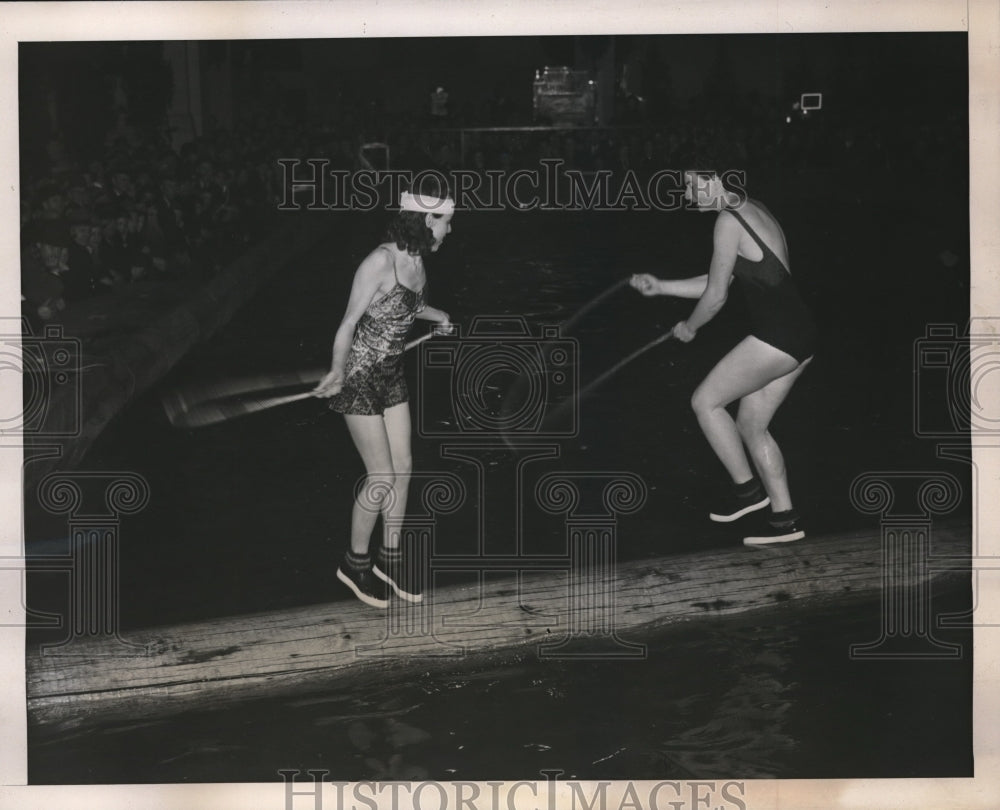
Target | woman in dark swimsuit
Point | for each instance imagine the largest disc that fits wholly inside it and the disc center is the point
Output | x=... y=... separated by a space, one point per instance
x=759 y=371
x=366 y=384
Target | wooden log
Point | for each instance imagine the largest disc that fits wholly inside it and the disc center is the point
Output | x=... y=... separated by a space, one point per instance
x=211 y=663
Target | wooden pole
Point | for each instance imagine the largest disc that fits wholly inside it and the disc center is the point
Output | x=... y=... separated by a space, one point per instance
x=211 y=663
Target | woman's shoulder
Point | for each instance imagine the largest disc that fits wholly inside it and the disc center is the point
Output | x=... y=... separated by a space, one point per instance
x=759 y=212
x=385 y=250
x=381 y=258
x=376 y=267
x=756 y=215
x=727 y=223
x=767 y=227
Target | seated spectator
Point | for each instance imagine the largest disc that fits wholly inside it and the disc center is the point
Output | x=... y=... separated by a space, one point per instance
x=51 y=204
x=140 y=254
x=115 y=265
x=122 y=189
x=168 y=223
x=82 y=278
x=78 y=193
x=42 y=292
x=68 y=260
x=126 y=256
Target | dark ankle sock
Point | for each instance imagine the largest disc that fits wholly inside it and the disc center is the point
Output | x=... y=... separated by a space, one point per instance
x=786 y=518
x=389 y=555
x=358 y=562
x=748 y=488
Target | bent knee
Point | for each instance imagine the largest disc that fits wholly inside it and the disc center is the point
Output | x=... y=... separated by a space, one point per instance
x=703 y=401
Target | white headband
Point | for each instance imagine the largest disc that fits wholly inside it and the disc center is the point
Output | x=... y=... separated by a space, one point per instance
x=423 y=204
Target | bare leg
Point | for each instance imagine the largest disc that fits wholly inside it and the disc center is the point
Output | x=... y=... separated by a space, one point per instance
x=749 y=367
x=397 y=428
x=371 y=439
x=754 y=418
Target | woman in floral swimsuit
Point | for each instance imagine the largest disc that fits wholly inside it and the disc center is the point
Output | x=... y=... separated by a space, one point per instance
x=366 y=384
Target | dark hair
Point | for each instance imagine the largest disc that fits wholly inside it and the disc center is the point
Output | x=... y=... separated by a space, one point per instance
x=408 y=229
x=707 y=161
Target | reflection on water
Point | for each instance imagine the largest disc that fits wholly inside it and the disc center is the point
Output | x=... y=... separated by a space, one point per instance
x=740 y=697
x=746 y=732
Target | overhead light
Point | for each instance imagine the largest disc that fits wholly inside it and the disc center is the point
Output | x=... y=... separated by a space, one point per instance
x=811 y=101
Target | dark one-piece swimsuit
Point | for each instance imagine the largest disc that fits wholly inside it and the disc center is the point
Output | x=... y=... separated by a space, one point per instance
x=778 y=315
x=373 y=376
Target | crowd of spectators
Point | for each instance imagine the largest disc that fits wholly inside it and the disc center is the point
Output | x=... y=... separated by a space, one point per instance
x=147 y=211
x=142 y=211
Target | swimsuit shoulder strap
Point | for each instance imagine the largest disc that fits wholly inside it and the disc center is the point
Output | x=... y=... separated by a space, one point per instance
x=751 y=231
x=764 y=248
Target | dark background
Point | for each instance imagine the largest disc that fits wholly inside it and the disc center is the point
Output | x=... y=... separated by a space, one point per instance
x=872 y=192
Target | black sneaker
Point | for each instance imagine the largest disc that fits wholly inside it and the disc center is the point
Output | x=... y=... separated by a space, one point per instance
x=739 y=505
x=366 y=586
x=401 y=577
x=781 y=527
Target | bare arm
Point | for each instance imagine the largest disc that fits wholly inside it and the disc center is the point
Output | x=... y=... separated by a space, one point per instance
x=650 y=285
x=726 y=240
x=368 y=279
x=683 y=287
x=436 y=315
